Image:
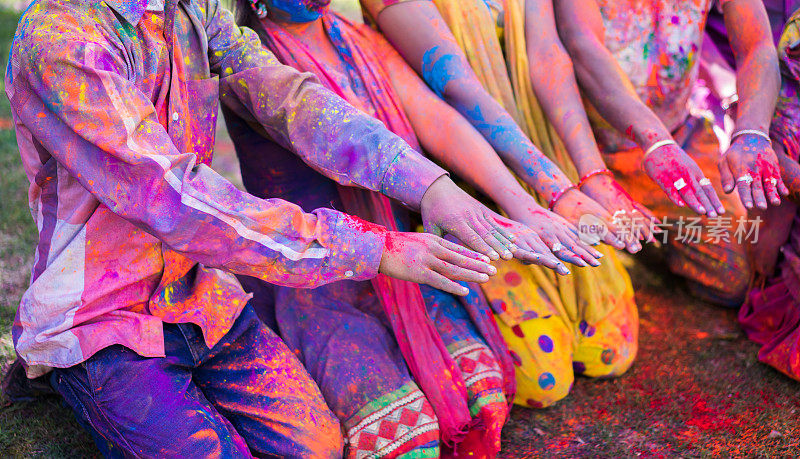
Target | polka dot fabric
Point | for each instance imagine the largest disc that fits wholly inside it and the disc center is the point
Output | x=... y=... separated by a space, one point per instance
x=557 y=328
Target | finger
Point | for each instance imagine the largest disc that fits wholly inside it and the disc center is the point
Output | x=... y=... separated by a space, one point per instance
x=561 y=250
x=712 y=196
x=700 y=192
x=644 y=225
x=691 y=200
x=613 y=236
x=782 y=188
x=757 y=188
x=726 y=175
x=574 y=246
x=771 y=189
x=460 y=249
x=457 y=273
x=745 y=194
x=441 y=282
x=502 y=227
x=538 y=253
x=486 y=232
x=455 y=258
x=632 y=245
x=466 y=234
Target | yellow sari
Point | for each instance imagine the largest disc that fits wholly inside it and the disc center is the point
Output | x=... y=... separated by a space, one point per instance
x=555 y=326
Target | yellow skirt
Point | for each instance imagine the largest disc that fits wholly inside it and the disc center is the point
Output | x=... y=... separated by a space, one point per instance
x=585 y=323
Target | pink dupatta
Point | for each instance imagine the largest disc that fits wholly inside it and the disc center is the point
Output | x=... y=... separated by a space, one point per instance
x=426 y=355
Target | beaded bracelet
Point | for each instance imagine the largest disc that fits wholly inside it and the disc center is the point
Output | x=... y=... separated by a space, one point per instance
x=751 y=132
x=591 y=174
x=558 y=195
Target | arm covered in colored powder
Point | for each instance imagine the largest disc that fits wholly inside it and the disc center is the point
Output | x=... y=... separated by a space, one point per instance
x=757 y=81
x=433 y=53
x=467 y=153
x=296 y=111
x=73 y=94
x=553 y=80
x=606 y=85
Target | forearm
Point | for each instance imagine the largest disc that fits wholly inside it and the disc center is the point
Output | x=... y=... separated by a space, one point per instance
x=436 y=57
x=757 y=85
x=506 y=138
x=758 y=75
x=293 y=109
x=465 y=152
x=552 y=76
x=610 y=92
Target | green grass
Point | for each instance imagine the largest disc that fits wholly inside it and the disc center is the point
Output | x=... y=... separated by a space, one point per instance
x=43 y=428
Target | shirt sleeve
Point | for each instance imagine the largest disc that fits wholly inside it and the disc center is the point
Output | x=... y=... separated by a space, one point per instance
x=296 y=111
x=67 y=89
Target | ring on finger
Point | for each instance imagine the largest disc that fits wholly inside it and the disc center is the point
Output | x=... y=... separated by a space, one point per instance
x=557 y=247
x=704 y=181
x=679 y=184
x=746 y=178
x=772 y=180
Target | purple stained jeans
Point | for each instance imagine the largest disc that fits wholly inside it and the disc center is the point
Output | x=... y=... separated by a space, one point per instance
x=246 y=395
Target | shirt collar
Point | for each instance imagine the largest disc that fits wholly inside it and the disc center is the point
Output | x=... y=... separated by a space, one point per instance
x=132 y=10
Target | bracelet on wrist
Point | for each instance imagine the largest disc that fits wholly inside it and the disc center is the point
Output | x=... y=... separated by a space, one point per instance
x=591 y=174
x=657 y=145
x=755 y=132
x=558 y=194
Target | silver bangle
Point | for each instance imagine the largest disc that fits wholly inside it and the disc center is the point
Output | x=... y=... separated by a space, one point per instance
x=657 y=145
x=751 y=132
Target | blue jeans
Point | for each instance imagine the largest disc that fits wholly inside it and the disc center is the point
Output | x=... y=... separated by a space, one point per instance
x=246 y=395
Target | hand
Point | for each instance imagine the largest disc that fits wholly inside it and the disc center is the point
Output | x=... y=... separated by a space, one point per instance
x=555 y=232
x=427 y=259
x=574 y=204
x=604 y=190
x=446 y=208
x=752 y=163
x=682 y=180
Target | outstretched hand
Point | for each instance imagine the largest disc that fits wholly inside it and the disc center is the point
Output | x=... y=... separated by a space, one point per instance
x=750 y=165
x=427 y=259
x=557 y=235
x=604 y=190
x=682 y=180
x=446 y=208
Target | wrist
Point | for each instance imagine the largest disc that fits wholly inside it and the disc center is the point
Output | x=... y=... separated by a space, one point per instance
x=758 y=134
x=556 y=197
x=433 y=190
x=647 y=137
x=597 y=175
x=521 y=208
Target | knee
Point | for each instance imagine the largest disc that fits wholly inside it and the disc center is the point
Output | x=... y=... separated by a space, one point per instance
x=718 y=274
x=543 y=388
x=541 y=350
x=326 y=439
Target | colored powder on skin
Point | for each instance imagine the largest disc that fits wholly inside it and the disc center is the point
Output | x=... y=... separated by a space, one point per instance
x=437 y=72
